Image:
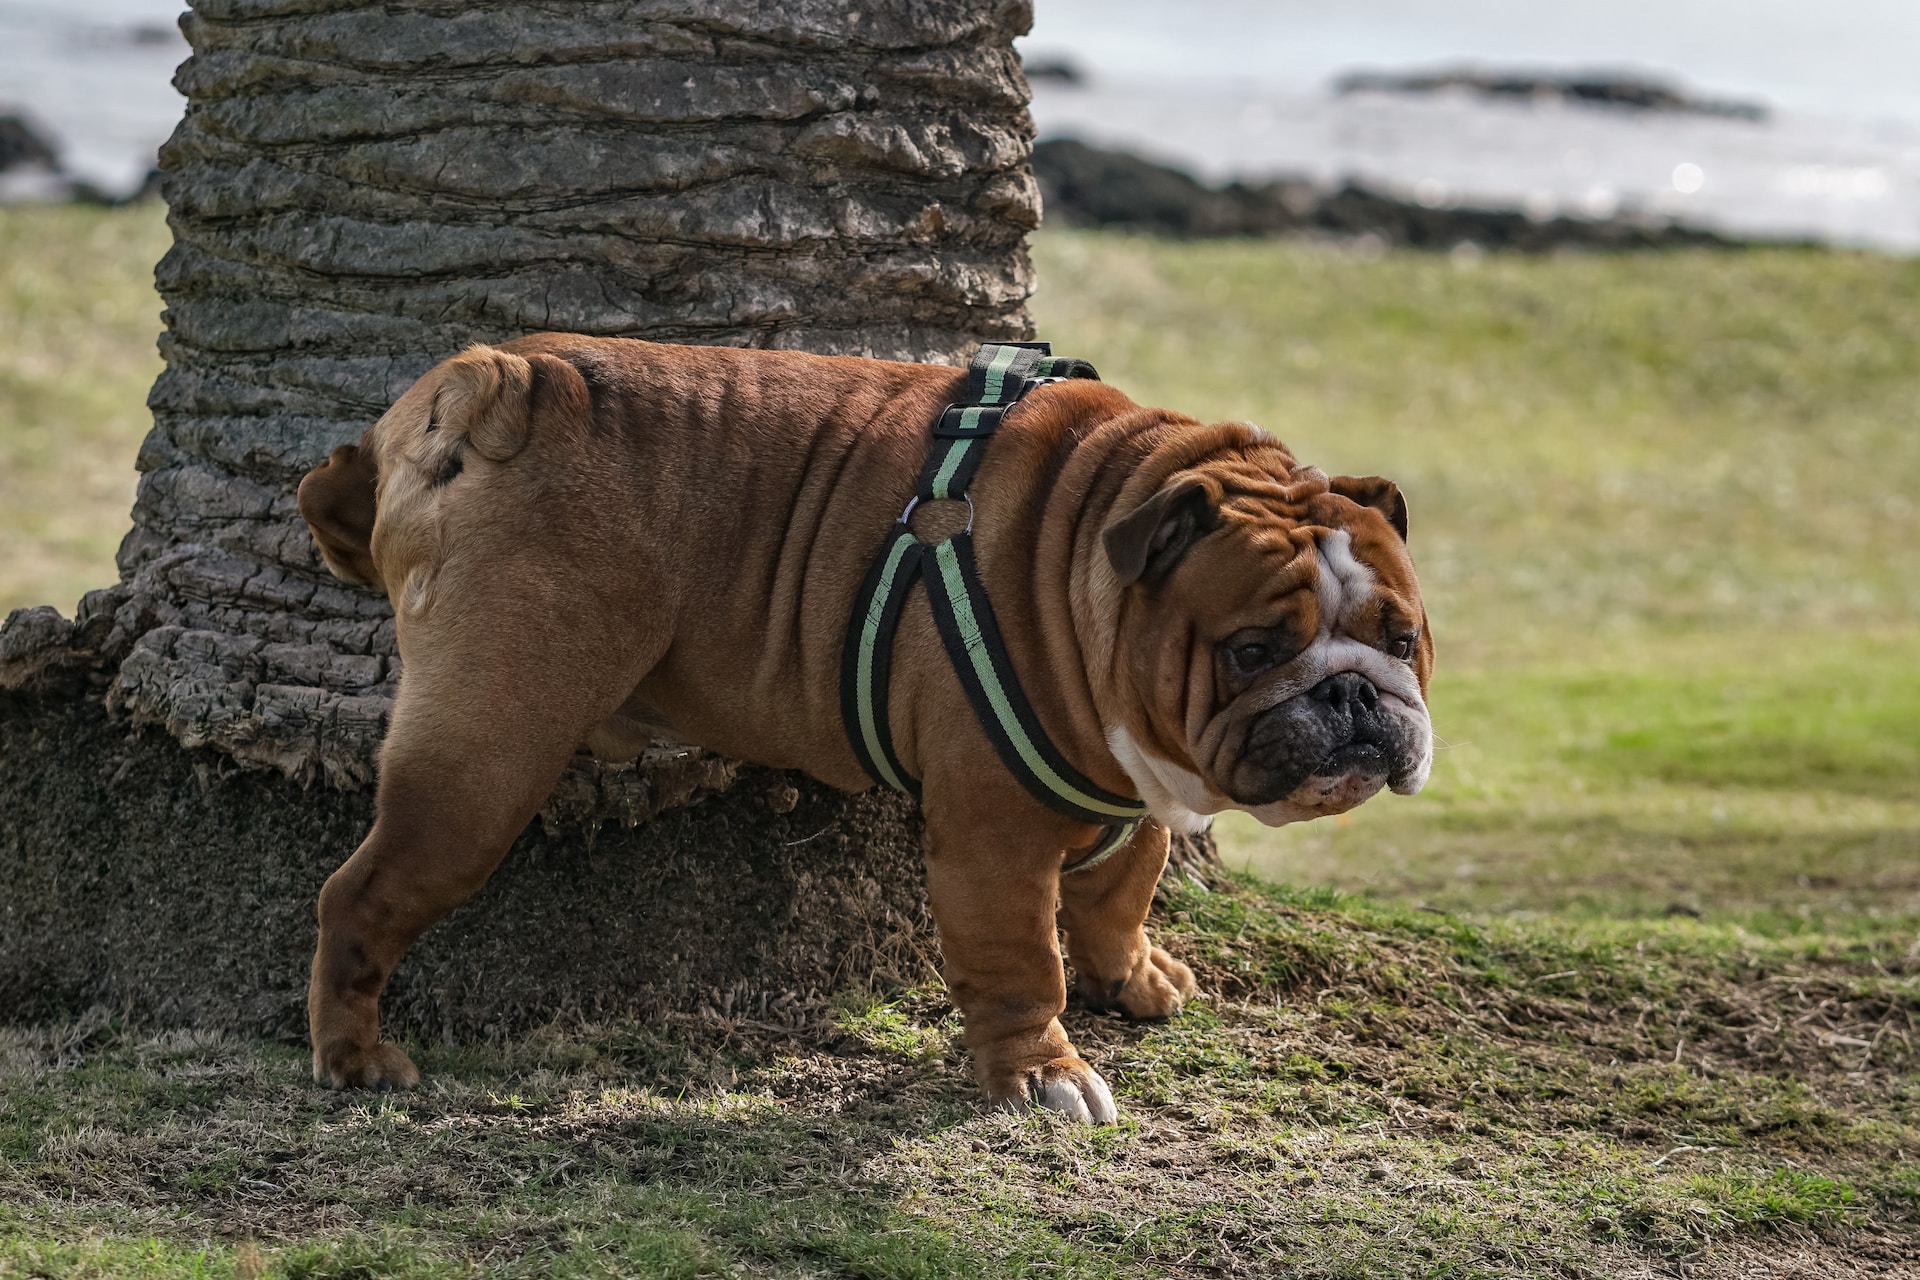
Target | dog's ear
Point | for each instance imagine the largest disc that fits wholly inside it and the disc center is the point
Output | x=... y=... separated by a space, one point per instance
x=1381 y=494
x=483 y=395
x=1145 y=544
x=493 y=397
x=337 y=502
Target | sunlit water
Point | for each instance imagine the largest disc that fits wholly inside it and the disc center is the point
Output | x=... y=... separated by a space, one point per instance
x=97 y=77
x=1239 y=88
x=1793 y=176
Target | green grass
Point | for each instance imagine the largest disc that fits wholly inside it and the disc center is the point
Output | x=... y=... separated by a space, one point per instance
x=1630 y=989
x=78 y=319
x=1664 y=508
x=1598 y=450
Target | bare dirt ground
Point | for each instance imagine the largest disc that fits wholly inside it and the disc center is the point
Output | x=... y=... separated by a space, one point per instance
x=1364 y=1094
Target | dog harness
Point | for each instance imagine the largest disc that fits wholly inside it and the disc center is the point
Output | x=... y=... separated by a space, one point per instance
x=1000 y=374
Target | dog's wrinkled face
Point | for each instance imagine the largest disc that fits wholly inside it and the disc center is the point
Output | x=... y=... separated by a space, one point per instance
x=1273 y=641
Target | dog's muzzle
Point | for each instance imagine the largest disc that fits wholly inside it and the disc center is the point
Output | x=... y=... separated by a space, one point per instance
x=1328 y=748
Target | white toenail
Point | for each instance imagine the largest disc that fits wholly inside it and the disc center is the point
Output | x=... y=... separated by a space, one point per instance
x=1063 y=1095
x=1100 y=1100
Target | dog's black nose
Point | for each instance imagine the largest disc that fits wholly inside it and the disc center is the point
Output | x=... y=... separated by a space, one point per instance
x=1349 y=691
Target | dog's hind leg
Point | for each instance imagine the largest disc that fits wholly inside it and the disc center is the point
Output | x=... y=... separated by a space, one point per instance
x=1104 y=910
x=486 y=719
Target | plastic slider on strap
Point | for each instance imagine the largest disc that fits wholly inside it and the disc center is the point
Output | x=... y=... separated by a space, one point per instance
x=966 y=421
x=1064 y=368
x=999 y=374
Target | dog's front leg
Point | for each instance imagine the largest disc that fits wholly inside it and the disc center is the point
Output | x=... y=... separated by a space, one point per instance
x=993 y=877
x=1105 y=910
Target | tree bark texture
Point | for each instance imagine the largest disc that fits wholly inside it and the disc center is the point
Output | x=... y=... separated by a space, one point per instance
x=177 y=888
x=359 y=190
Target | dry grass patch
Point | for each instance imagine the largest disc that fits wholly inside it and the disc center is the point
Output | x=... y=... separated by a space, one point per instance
x=1367 y=1093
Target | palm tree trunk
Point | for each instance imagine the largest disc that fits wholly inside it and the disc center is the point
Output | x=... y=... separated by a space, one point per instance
x=359 y=190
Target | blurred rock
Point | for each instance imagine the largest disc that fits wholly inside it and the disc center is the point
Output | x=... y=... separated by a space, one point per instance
x=29 y=164
x=21 y=144
x=31 y=172
x=1591 y=88
x=132 y=35
x=1357 y=210
x=1086 y=186
x=1055 y=71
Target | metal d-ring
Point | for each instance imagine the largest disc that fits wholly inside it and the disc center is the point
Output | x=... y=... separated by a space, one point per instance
x=914 y=501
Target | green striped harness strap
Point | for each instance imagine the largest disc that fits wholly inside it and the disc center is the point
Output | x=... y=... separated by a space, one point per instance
x=998 y=377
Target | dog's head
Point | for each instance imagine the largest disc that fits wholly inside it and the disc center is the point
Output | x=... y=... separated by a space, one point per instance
x=1273 y=645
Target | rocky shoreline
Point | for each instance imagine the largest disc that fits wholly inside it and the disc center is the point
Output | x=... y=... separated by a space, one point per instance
x=1085 y=186
x=1619 y=90
x=31 y=171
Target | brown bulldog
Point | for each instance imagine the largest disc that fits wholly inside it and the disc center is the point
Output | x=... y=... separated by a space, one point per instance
x=598 y=540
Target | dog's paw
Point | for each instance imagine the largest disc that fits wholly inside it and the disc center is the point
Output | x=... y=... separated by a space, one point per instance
x=382 y=1067
x=1157 y=988
x=1069 y=1086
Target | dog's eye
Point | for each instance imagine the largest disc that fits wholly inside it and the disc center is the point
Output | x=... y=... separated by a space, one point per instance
x=1248 y=654
x=1402 y=646
x=1252 y=657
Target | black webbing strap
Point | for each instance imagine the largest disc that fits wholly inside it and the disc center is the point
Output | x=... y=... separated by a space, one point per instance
x=999 y=375
x=866 y=659
x=973 y=643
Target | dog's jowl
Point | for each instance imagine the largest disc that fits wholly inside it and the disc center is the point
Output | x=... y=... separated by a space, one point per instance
x=593 y=541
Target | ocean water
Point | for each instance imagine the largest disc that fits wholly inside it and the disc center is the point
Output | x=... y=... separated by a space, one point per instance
x=96 y=77
x=1241 y=88
x=1851 y=58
